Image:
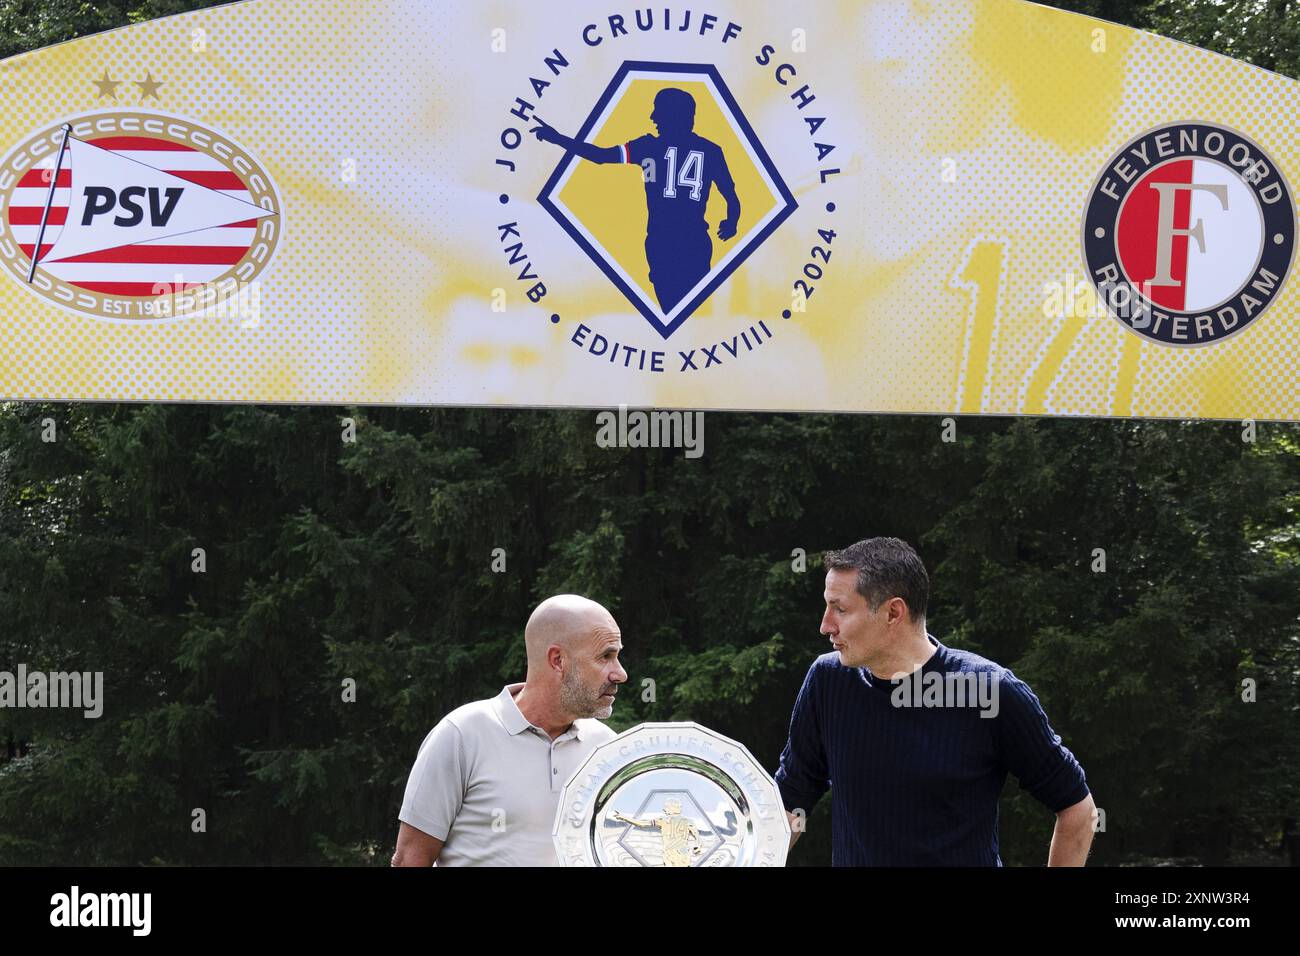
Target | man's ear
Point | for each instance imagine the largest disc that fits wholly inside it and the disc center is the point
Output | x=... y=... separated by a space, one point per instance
x=555 y=659
x=895 y=611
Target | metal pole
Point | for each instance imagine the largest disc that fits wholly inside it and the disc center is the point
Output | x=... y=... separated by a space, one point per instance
x=49 y=201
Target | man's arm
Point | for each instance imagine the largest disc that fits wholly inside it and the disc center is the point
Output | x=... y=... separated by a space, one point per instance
x=1045 y=767
x=643 y=824
x=415 y=847
x=1072 y=837
x=433 y=797
x=727 y=189
x=802 y=777
x=588 y=151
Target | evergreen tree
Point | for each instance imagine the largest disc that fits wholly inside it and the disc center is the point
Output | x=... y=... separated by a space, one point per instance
x=347 y=594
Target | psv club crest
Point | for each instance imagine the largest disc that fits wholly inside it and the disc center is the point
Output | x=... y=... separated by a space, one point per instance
x=135 y=216
x=1189 y=234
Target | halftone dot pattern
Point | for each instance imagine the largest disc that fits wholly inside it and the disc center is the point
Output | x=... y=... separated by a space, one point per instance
x=381 y=286
x=1022 y=177
x=311 y=338
x=1255 y=371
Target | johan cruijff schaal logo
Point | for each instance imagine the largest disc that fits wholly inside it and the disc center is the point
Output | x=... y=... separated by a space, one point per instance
x=667 y=188
x=135 y=216
x=1189 y=234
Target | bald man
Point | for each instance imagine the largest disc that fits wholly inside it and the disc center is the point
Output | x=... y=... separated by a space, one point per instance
x=487 y=780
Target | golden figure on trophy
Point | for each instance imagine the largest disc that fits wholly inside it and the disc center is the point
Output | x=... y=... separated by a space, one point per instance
x=675 y=830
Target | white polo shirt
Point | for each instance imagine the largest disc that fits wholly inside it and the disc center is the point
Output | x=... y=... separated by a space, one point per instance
x=487 y=782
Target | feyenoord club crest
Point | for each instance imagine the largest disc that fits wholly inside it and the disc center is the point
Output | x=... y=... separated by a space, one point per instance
x=135 y=216
x=1189 y=234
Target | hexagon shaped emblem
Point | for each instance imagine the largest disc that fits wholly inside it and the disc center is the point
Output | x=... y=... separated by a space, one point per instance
x=670 y=828
x=667 y=188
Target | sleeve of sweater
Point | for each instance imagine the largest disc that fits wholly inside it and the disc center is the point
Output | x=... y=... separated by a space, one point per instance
x=1032 y=751
x=802 y=777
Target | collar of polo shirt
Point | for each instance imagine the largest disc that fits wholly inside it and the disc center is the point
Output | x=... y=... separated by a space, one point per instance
x=514 y=721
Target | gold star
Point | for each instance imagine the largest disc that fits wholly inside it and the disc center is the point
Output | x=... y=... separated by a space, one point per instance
x=148 y=87
x=107 y=87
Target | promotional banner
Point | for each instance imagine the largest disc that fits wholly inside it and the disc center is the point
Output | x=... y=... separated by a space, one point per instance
x=879 y=206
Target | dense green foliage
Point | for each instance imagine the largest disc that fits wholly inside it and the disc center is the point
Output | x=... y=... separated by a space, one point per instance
x=371 y=560
x=1263 y=32
x=30 y=24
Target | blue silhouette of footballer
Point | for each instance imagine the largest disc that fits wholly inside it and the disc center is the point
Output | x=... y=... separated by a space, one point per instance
x=678 y=168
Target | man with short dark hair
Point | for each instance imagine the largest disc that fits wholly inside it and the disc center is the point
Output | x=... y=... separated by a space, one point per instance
x=917 y=737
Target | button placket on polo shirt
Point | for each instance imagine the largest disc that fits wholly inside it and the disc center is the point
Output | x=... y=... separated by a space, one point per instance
x=556 y=782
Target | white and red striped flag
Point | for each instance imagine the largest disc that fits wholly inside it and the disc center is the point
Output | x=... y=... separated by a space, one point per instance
x=132 y=214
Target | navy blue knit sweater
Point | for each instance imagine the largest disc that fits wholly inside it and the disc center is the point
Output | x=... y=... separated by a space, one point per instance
x=916 y=785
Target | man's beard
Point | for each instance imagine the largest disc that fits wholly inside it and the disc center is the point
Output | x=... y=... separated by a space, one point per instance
x=580 y=702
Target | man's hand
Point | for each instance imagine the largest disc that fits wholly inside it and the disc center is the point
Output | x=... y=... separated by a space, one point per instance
x=588 y=151
x=546 y=134
x=727 y=229
x=797 y=823
x=1073 y=834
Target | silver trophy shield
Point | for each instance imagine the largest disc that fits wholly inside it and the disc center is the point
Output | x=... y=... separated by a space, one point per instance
x=671 y=794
